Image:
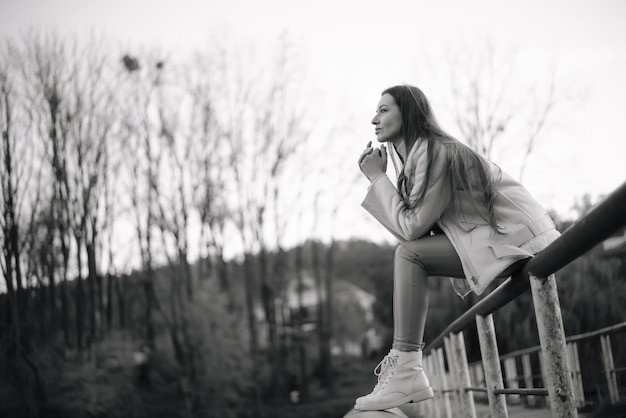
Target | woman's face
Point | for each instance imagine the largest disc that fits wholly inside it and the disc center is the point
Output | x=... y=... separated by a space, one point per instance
x=388 y=121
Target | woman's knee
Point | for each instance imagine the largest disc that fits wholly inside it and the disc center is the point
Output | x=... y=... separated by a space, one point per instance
x=409 y=251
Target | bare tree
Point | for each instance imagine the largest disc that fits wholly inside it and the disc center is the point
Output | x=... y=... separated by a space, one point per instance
x=329 y=198
x=35 y=248
x=10 y=260
x=14 y=172
x=496 y=108
x=45 y=75
x=236 y=122
x=209 y=170
x=175 y=204
x=254 y=114
x=111 y=165
x=88 y=122
x=175 y=201
x=280 y=130
x=141 y=151
x=70 y=102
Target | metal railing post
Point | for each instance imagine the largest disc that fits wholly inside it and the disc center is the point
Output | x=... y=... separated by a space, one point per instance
x=491 y=365
x=553 y=346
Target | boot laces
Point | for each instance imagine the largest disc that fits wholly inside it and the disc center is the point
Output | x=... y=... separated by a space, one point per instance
x=384 y=370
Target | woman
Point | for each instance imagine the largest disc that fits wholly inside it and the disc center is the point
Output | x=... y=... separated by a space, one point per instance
x=456 y=215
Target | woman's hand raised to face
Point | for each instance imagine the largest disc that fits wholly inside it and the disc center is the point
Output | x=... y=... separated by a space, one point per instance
x=373 y=161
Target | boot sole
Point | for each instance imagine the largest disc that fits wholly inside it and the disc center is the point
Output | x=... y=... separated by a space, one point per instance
x=420 y=396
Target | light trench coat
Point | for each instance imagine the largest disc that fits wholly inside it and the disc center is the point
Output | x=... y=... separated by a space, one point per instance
x=524 y=227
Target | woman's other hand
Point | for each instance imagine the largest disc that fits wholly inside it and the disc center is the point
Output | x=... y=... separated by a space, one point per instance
x=373 y=162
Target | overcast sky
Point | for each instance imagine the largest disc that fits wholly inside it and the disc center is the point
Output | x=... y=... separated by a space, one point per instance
x=354 y=49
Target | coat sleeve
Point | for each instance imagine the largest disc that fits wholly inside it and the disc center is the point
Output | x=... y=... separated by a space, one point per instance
x=384 y=202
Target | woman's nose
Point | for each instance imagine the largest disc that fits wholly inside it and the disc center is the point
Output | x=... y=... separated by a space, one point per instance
x=375 y=120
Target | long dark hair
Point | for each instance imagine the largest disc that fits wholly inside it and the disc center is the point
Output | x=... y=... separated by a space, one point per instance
x=467 y=170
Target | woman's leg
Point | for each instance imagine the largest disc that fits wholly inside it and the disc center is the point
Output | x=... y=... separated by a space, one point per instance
x=414 y=262
x=401 y=377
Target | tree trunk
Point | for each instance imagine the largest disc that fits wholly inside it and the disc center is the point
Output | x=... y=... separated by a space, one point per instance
x=65 y=323
x=302 y=354
x=52 y=306
x=121 y=305
x=267 y=297
x=254 y=343
x=60 y=215
x=327 y=373
x=222 y=271
x=95 y=302
x=187 y=274
x=317 y=272
x=42 y=294
x=16 y=314
x=79 y=298
x=109 y=301
x=148 y=286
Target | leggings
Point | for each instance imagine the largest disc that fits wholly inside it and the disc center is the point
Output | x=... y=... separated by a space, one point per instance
x=414 y=261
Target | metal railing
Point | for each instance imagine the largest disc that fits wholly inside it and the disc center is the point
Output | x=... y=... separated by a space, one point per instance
x=513 y=359
x=538 y=274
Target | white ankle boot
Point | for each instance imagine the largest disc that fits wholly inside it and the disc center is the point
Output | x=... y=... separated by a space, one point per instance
x=401 y=379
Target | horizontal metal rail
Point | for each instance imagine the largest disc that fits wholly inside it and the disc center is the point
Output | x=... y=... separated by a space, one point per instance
x=613 y=329
x=507 y=391
x=476 y=389
x=522 y=391
x=591 y=229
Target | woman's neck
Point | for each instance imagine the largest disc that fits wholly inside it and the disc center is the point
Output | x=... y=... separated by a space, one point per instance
x=400 y=149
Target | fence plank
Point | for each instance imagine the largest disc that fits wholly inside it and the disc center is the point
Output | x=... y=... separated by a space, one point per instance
x=528 y=378
x=463 y=376
x=453 y=383
x=447 y=407
x=431 y=408
x=478 y=380
x=609 y=368
x=510 y=371
x=577 y=379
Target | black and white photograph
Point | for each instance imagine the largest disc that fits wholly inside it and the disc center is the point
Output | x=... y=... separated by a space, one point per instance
x=325 y=209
